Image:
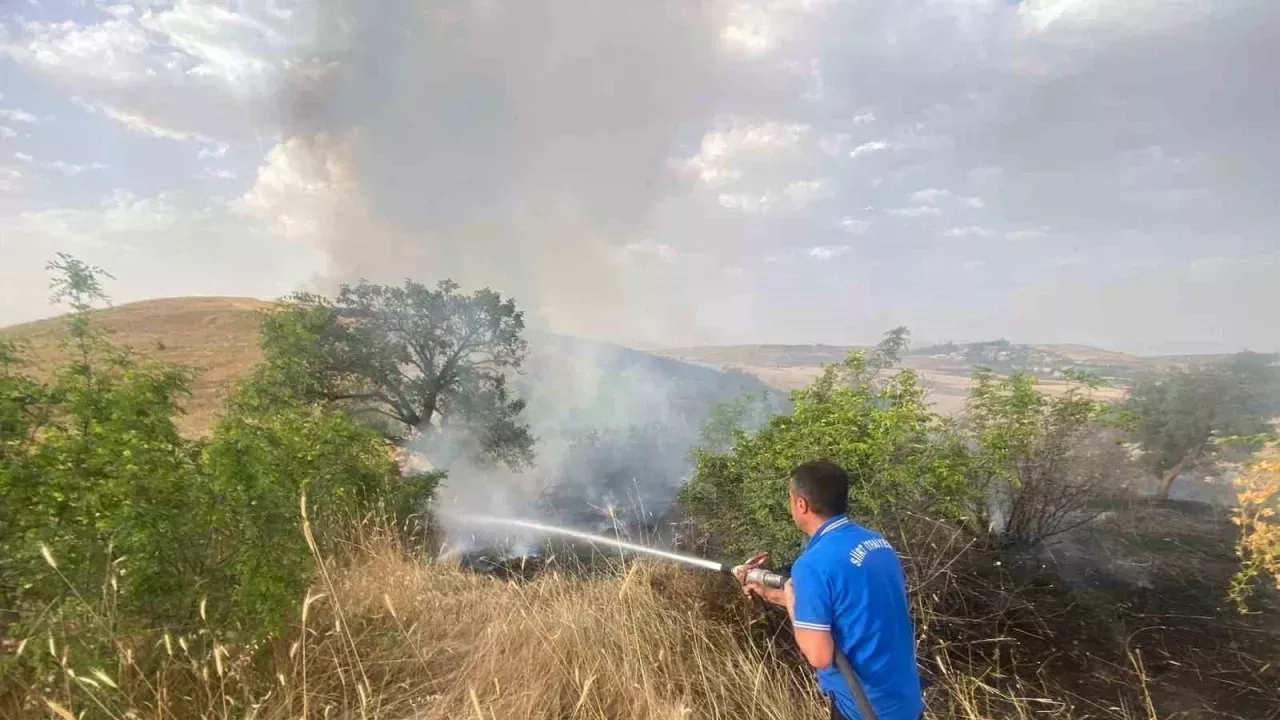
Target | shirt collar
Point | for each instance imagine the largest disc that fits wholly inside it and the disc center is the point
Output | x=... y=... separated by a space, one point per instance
x=834 y=523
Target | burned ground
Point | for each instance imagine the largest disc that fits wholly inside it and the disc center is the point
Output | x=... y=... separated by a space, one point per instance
x=1126 y=616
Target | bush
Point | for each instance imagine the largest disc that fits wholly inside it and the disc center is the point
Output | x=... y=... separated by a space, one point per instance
x=102 y=498
x=866 y=414
x=1258 y=516
x=1040 y=462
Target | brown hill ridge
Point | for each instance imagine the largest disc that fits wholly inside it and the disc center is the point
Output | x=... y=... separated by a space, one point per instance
x=218 y=336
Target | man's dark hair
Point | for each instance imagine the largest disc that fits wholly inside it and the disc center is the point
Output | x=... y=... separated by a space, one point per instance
x=824 y=484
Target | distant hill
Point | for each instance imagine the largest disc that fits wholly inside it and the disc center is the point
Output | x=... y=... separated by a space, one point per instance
x=216 y=335
x=946 y=369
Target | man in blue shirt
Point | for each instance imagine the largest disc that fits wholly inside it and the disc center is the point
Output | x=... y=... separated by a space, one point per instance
x=847 y=592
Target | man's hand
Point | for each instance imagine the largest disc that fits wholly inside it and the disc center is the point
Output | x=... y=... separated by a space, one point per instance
x=769 y=595
x=740 y=572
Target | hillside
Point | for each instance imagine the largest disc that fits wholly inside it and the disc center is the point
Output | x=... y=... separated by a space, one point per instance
x=946 y=369
x=610 y=385
x=219 y=337
x=216 y=335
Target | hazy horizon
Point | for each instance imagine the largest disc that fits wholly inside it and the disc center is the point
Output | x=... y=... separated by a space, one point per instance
x=677 y=172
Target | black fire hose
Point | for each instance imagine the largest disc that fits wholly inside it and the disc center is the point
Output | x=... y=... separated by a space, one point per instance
x=777 y=581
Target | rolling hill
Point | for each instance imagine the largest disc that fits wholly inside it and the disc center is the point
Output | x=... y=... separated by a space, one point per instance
x=218 y=336
x=946 y=369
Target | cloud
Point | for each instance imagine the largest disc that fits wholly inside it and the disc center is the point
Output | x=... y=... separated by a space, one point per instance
x=827 y=252
x=17 y=115
x=165 y=244
x=1027 y=233
x=853 y=225
x=140 y=124
x=929 y=196
x=835 y=144
x=803 y=193
x=216 y=152
x=721 y=150
x=118 y=215
x=969 y=231
x=115 y=50
x=23 y=157
x=300 y=189
x=186 y=69
x=914 y=212
x=795 y=196
x=457 y=132
x=73 y=169
x=9 y=178
x=869 y=147
x=217 y=174
x=659 y=251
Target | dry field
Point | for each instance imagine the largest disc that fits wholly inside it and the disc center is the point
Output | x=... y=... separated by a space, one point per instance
x=947 y=390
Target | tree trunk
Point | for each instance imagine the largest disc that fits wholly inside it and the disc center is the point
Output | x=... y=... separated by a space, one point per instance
x=1166 y=481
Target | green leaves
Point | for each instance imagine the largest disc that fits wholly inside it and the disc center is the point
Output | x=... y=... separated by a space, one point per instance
x=1180 y=413
x=1039 y=461
x=404 y=360
x=864 y=413
x=146 y=524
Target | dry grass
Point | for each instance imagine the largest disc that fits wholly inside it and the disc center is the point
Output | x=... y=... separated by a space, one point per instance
x=388 y=634
x=216 y=336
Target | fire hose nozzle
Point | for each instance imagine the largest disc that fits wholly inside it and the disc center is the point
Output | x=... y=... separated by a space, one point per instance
x=767 y=578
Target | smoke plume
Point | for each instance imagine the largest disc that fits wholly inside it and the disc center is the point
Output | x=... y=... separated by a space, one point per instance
x=526 y=146
x=522 y=146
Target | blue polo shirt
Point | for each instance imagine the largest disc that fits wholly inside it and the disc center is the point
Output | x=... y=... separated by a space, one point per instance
x=849 y=582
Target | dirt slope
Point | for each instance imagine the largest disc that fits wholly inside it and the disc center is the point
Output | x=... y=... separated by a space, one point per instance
x=216 y=335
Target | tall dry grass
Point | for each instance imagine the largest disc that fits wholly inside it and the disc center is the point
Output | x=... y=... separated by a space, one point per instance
x=388 y=634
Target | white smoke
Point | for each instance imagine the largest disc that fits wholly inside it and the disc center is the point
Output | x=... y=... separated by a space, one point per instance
x=526 y=147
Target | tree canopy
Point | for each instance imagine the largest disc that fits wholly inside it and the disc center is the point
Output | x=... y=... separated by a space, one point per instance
x=1182 y=414
x=409 y=360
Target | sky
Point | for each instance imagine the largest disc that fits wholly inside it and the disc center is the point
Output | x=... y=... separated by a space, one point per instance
x=672 y=172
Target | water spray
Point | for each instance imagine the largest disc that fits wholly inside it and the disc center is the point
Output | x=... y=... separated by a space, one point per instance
x=754 y=575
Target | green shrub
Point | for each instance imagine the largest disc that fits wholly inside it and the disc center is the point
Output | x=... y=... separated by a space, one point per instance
x=866 y=414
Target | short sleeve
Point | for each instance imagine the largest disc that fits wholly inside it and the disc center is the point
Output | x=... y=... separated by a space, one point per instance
x=813 y=598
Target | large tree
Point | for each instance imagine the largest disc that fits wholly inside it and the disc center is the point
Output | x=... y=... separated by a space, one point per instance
x=1183 y=413
x=412 y=360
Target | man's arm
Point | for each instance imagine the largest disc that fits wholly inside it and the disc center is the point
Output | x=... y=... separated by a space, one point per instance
x=813 y=629
x=817 y=645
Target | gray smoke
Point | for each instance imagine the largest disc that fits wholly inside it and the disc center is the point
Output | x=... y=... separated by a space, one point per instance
x=525 y=146
x=520 y=145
